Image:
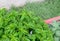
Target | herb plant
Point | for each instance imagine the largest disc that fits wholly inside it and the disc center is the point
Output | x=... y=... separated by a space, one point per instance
x=55 y=27
x=22 y=25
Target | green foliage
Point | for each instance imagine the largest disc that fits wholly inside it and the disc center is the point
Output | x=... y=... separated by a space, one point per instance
x=46 y=10
x=55 y=27
x=22 y=25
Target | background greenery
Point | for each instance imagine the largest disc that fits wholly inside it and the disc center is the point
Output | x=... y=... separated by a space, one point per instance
x=47 y=9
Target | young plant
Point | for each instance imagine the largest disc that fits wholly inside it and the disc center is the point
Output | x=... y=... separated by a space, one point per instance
x=55 y=27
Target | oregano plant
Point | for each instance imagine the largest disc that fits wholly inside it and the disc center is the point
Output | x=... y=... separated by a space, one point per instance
x=22 y=25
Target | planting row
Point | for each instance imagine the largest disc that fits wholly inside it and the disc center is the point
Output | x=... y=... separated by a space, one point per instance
x=46 y=10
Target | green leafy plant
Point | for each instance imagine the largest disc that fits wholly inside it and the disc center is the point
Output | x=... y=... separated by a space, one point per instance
x=55 y=27
x=22 y=25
